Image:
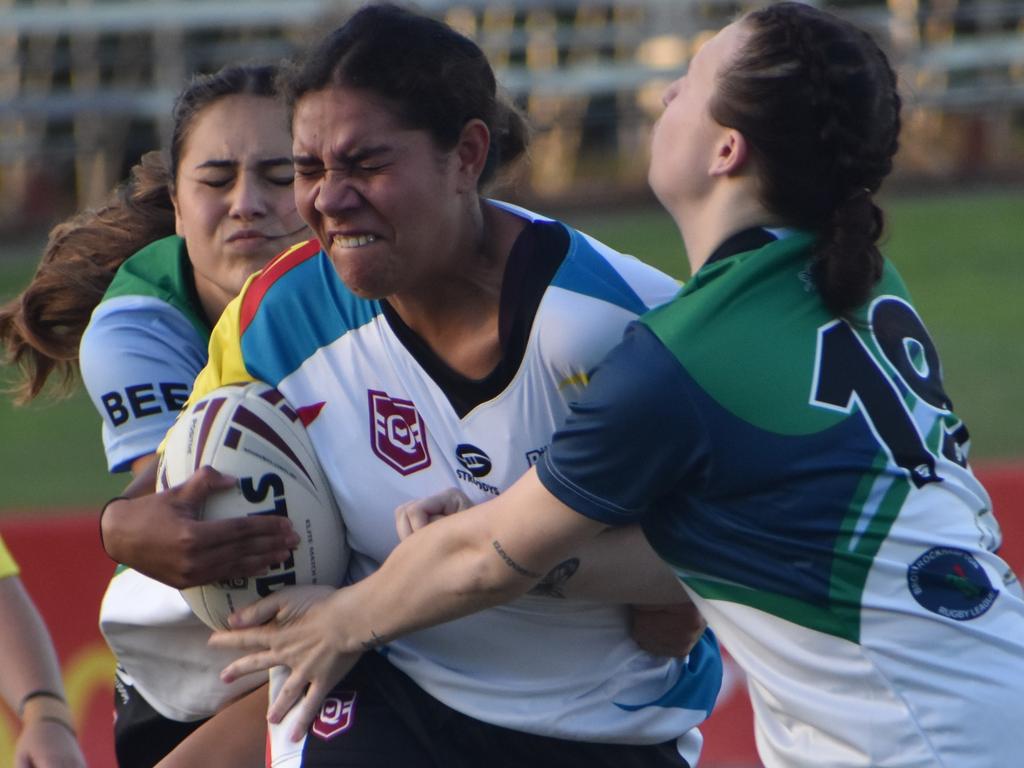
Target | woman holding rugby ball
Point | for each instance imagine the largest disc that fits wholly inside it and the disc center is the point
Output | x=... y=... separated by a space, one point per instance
x=434 y=336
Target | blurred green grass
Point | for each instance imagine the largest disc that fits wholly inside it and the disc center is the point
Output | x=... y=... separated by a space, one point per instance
x=961 y=255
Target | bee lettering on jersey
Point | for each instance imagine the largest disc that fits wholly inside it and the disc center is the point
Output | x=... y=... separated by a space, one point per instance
x=270 y=485
x=141 y=400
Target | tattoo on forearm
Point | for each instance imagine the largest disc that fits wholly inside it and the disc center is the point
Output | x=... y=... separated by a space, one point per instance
x=552 y=584
x=376 y=641
x=512 y=563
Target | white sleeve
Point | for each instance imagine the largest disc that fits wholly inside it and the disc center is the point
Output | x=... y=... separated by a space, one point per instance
x=139 y=358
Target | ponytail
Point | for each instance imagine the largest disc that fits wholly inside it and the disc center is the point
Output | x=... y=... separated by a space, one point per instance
x=40 y=329
x=847 y=262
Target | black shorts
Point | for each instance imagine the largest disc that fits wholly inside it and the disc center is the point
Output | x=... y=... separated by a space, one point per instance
x=142 y=736
x=377 y=717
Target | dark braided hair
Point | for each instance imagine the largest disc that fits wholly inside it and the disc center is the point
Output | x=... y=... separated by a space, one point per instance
x=816 y=99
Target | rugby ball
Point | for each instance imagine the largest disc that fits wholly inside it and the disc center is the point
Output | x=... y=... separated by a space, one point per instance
x=249 y=431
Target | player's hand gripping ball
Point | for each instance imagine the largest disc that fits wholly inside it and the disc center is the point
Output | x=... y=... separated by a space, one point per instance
x=250 y=432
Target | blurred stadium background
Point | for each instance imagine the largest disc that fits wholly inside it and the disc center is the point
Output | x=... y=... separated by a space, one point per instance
x=86 y=87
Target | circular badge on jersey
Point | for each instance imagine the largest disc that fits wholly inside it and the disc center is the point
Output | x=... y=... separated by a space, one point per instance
x=951 y=583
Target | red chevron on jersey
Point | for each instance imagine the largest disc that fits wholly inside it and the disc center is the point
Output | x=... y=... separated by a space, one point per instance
x=271 y=274
x=308 y=413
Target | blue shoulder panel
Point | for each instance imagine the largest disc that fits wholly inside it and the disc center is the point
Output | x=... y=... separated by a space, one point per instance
x=587 y=272
x=306 y=308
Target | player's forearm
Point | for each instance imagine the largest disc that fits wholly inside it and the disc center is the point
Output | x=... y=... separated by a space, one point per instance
x=463 y=563
x=617 y=566
x=28 y=662
x=445 y=571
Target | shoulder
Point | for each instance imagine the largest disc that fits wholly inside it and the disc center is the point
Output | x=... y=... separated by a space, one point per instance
x=139 y=337
x=161 y=271
x=276 y=277
x=595 y=270
x=151 y=270
x=137 y=321
x=301 y=279
x=294 y=307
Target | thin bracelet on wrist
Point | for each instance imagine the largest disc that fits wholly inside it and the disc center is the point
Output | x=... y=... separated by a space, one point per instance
x=39 y=693
x=59 y=721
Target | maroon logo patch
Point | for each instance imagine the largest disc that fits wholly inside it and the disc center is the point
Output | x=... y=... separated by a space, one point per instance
x=337 y=714
x=398 y=433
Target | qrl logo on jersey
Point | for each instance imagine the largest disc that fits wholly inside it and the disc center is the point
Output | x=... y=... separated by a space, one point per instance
x=336 y=715
x=398 y=433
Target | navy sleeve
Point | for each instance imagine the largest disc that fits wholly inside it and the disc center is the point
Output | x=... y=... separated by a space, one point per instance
x=631 y=439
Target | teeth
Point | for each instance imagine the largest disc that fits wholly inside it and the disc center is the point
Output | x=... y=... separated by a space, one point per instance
x=354 y=242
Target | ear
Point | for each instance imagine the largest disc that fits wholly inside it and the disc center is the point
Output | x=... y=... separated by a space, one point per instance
x=730 y=155
x=471 y=154
x=179 y=228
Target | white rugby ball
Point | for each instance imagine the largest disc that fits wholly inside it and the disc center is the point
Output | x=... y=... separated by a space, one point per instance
x=250 y=432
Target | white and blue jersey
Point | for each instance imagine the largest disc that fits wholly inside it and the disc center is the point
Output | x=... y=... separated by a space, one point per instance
x=390 y=422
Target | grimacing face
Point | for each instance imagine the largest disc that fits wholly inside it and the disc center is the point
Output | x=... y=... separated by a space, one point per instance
x=234 y=202
x=383 y=199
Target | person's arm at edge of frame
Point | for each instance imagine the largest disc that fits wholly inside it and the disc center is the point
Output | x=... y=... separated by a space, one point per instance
x=464 y=563
x=31 y=684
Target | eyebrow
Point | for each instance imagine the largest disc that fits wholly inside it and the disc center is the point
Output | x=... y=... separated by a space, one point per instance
x=347 y=158
x=270 y=162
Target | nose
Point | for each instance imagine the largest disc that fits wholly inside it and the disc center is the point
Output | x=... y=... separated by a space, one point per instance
x=336 y=194
x=248 y=199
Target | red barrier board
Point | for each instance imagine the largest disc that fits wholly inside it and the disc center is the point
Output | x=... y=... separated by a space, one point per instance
x=66 y=572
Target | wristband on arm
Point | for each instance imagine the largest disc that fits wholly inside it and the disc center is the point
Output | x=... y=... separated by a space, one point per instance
x=45 y=706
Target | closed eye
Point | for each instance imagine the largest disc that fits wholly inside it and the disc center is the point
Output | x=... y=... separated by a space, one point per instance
x=217 y=183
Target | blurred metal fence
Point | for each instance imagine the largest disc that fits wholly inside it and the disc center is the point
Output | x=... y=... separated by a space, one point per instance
x=86 y=85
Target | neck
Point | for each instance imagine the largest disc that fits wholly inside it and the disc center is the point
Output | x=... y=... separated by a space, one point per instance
x=455 y=310
x=706 y=224
x=212 y=299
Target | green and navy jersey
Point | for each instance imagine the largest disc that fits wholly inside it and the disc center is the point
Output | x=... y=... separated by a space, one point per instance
x=145 y=344
x=390 y=423
x=807 y=479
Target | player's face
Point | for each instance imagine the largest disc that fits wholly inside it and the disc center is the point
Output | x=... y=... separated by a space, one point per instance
x=683 y=139
x=382 y=199
x=233 y=200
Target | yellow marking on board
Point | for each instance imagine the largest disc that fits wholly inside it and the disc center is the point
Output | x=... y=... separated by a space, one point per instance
x=8 y=731
x=89 y=670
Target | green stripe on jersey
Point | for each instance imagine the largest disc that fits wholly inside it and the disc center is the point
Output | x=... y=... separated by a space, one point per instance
x=162 y=270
